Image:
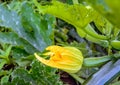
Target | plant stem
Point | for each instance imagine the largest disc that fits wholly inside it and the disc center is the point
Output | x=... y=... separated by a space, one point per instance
x=96 y=61
x=75 y=2
x=80 y=80
x=109 y=50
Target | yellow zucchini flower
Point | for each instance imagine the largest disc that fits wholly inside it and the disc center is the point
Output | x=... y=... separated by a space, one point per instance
x=68 y=59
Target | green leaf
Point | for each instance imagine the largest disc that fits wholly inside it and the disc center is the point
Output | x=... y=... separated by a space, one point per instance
x=39 y=74
x=2 y=63
x=18 y=52
x=103 y=25
x=109 y=9
x=42 y=26
x=14 y=39
x=22 y=74
x=77 y=15
x=4 y=80
x=4 y=72
x=44 y=75
x=17 y=81
x=21 y=57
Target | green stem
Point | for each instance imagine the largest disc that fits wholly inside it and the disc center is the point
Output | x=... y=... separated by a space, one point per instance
x=1 y=57
x=96 y=61
x=80 y=80
x=75 y=2
x=109 y=50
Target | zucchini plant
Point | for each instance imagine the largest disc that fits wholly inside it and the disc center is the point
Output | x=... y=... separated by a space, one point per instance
x=79 y=40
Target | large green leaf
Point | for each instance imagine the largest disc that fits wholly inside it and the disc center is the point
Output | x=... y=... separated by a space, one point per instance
x=38 y=75
x=77 y=15
x=109 y=9
x=44 y=75
x=17 y=81
x=14 y=39
x=29 y=25
x=23 y=74
x=103 y=25
x=40 y=28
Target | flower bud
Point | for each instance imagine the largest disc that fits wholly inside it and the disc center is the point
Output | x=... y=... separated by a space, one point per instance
x=68 y=59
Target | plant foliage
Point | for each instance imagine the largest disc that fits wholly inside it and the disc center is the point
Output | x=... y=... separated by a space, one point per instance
x=29 y=26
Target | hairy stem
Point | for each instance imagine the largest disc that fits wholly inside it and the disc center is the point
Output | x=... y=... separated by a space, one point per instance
x=75 y=2
x=80 y=80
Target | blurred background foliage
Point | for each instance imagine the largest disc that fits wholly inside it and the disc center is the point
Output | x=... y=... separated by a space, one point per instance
x=92 y=26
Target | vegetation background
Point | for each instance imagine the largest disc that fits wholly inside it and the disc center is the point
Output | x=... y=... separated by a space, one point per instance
x=29 y=26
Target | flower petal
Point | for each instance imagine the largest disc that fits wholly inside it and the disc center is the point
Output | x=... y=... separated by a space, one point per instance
x=68 y=59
